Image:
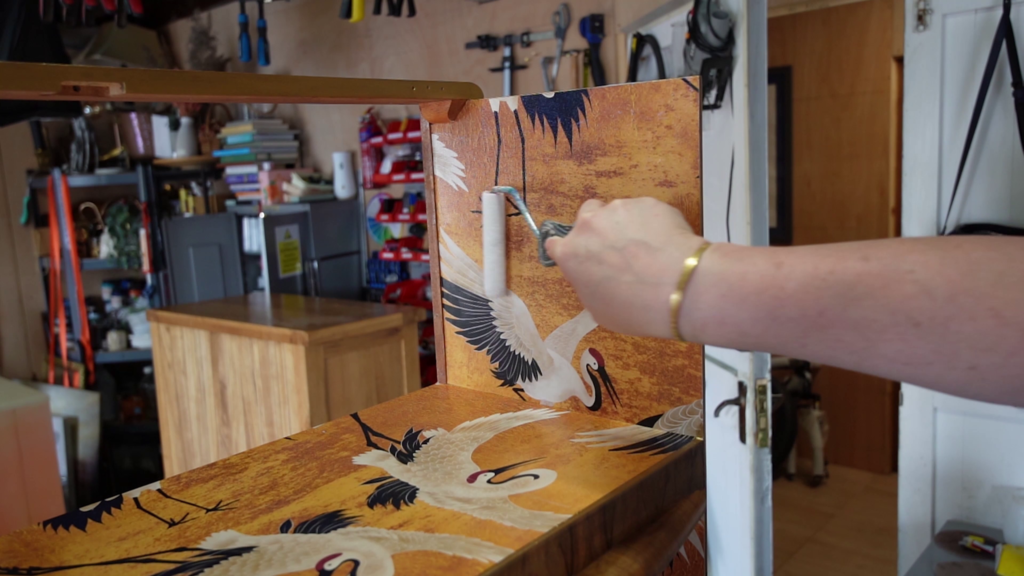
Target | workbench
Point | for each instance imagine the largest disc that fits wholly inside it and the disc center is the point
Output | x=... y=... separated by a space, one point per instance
x=236 y=373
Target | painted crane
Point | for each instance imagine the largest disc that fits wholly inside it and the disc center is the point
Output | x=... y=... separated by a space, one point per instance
x=504 y=328
x=326 y=543
x=94 y=512
x=659 y=434
x=437 y=467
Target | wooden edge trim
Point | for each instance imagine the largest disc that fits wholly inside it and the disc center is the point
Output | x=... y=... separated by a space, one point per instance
x=435 y=255
x=222 y=326
x=30 y=81
x=613 y=518
x=442 y=112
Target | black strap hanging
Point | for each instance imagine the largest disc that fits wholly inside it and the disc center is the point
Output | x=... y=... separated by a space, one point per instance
x=1004 y=33
x=639 y=42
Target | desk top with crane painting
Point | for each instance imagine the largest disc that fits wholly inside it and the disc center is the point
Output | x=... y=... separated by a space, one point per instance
x=446 y=480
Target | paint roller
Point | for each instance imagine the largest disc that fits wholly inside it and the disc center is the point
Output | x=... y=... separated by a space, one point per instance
x=546 y=230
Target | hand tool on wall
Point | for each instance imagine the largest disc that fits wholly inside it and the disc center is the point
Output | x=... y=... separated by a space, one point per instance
x=592 y=29
x=358 y=11
x=346 y=9
x=244 y=43
x=560 y=19
x=262 y=44
x=395 y=8
x=377 y=7
x=72 y=12
x=549 y=65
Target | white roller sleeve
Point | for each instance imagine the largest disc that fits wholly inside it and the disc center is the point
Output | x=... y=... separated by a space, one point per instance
x=494 y=244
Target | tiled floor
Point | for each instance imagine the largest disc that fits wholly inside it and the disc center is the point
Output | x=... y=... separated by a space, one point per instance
x=845 y=526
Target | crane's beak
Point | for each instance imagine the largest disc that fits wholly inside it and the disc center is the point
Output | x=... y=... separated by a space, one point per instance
x=354 y=569
x=606 y=380
x=498 y=471
x=599 y=377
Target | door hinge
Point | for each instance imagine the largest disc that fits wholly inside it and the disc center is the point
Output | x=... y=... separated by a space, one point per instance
x=924 y=15
x=761 y=408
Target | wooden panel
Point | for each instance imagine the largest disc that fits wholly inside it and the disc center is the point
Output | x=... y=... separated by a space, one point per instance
x=862 y=419
x=29 y=478
x=650 y=550
x=363 y=372
x=220 y=394
x=559 y=150
x=22 y=300
x=787 y=7
x=843 y=182
x=462 y=506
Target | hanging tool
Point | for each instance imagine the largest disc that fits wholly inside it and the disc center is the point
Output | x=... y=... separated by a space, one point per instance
x=346 y=9
x=708 y=50
x=378 y=7
x=549 y=64
x=508 y=65
x=262 y=44
x=358 y=10
x=395 y=8
x=136 y=8
x=122 y=13
x=244 y=44
x=560 y=19
x=592 y=29
x=637 y=45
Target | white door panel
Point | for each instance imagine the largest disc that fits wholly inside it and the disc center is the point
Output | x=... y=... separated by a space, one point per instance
x=957 y=458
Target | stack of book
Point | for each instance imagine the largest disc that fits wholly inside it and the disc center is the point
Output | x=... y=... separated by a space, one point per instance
x=249 y=146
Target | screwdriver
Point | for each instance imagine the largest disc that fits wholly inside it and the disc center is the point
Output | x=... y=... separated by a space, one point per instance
x=262 y=45
x=244 y=45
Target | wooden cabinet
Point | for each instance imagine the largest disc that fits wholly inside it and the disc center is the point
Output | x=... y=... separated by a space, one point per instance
x=236 y=373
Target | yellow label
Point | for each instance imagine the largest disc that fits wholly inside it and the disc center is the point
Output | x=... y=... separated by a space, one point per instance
x=289 y=251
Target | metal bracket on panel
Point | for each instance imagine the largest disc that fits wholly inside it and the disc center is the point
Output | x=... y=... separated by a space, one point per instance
x=761 y=407
x=739 y=401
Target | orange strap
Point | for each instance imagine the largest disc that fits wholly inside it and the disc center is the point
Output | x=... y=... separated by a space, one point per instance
x=76 y=271
x=56 y=289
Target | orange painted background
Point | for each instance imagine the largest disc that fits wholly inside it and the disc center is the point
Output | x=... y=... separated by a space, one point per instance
x=635 y=140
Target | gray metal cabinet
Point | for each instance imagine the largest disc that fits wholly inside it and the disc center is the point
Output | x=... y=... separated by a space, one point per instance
x=204 y=257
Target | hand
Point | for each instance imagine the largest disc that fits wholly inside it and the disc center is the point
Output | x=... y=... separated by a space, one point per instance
x=624 y=260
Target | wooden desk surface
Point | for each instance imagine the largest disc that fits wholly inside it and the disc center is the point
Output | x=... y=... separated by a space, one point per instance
x=445 y=480
x=287 y=318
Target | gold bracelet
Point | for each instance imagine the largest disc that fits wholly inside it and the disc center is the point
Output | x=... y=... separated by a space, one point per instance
x=676 y=299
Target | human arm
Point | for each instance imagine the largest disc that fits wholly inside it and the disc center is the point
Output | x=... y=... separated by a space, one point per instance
x=946 y=313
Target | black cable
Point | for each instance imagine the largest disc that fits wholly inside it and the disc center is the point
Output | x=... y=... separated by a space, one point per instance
x=701 y=41
x=640 y=41
x=728 y=198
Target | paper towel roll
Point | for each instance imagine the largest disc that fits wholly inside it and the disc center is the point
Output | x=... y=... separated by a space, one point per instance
x=494 y=244
x=344 y=175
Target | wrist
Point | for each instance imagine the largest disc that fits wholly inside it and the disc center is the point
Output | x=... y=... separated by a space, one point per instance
x=698 y=288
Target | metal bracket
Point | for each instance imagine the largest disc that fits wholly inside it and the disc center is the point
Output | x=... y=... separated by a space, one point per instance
x=761 y=407
x=739 y=401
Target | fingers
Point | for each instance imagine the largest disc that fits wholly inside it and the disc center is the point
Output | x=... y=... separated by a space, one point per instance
x=588 y=207
x=553 y=247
